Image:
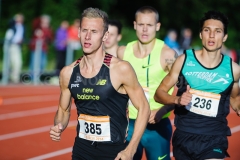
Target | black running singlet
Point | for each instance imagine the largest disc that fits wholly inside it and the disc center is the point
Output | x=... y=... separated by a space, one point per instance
x=102 y=111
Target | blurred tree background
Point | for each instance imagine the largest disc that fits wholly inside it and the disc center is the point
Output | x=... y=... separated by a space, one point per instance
x=174 y=14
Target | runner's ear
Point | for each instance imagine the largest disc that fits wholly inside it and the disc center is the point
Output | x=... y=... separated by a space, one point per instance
x=105 y=36
x=225 y=37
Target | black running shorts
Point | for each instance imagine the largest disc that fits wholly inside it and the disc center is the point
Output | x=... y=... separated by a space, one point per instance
x=89 y=150
x=190 y=146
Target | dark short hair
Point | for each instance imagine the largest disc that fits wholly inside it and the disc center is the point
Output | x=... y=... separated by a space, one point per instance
x=216 y=15
x=116 y=23
x=148 y=9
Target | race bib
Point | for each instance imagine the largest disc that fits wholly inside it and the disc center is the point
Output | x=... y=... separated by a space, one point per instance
x=146 y=92
x=204 y=103
x=94 y=128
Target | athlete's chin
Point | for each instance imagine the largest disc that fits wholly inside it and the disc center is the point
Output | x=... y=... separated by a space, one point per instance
x=87 y=51
x=107 y=45
x=144 y=41
x=212 y=49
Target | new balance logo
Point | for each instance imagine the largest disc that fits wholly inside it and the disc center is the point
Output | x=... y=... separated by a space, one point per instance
x=74 y=85
x=101 y=82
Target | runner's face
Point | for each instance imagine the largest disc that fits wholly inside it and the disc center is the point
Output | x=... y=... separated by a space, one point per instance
x=212 y=35
x=113 y=37
x=91 y=34
x=146 y=26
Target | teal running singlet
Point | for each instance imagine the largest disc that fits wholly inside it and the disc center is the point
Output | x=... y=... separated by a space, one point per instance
x=211 y=88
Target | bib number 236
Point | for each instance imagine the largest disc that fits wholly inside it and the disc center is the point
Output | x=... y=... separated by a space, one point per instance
x=204 y=103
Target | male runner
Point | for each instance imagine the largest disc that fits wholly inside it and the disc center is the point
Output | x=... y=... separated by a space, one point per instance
x=208 y=84
x=101 y=95
x=114 y=36
x=151 y=60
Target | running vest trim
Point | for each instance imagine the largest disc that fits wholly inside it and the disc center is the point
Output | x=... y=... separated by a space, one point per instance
x=149 y=73
x=97 y=97
x=217 y=81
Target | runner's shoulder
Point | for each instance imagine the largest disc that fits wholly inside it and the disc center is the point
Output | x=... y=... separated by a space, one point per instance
x=120 y=65
x=236 y=70
x=65 y=75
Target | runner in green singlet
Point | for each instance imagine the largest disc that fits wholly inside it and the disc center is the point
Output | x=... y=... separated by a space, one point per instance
x=151 y=60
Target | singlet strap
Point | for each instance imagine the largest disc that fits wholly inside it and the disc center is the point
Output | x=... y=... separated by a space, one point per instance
x=78 y=61
x=107 y=59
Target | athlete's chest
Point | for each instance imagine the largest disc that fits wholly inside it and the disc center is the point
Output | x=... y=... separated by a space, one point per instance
x=215 y=80
x=98 y=87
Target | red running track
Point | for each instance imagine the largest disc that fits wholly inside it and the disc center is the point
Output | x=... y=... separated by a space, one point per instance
x=26 y=115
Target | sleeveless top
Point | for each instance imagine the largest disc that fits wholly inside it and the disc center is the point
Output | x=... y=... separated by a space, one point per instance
x=211 y=88
x=149 y=73
x=102 y=111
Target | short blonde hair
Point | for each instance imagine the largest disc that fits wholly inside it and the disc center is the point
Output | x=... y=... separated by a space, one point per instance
x=96 y=13
x=148 y=9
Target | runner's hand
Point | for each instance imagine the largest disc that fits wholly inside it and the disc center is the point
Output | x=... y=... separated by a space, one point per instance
x=56 y=131
x=185 y=98
x=123 y=155
x=156 y=115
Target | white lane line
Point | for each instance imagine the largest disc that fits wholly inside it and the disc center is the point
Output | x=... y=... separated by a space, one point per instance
x=235 y=129
x=31 y=112
x=31 y=131
x=30 y=99
x=28 y=113
x=52 y=154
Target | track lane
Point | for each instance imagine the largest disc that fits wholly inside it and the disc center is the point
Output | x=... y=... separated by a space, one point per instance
x=34 y=145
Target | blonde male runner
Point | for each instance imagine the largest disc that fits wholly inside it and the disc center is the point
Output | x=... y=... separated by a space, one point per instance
x=101 y=93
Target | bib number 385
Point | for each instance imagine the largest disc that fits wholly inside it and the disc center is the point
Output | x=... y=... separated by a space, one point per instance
x=94 y=128
x=204 y=103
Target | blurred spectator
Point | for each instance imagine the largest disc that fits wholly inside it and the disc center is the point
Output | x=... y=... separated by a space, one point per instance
x=185 y=39
x=60 y=44
x=12 y=48
x=114 y=36
x=171 y=40
x=73 y=38
x=73 y=41
x=230 y=52
x=238 y=58
x=40 y=40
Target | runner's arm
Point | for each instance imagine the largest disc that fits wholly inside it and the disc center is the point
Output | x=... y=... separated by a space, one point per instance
x=138 y=98
x=161 y=94
x=63 y=113
x=168 y=57
x=235 y=94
